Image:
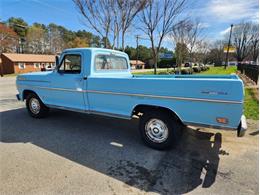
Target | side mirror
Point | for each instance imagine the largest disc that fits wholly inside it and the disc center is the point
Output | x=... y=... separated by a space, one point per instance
x=57 y=61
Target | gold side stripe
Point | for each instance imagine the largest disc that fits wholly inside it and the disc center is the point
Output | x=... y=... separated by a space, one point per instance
x=164 y=97
x=141 y=95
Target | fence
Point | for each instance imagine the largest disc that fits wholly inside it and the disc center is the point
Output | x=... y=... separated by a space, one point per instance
x=251 y=71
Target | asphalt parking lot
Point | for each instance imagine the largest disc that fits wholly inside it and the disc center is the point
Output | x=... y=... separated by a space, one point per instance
x=73 y=153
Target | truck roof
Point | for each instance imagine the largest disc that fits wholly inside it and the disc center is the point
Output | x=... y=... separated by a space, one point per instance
x=94 y=49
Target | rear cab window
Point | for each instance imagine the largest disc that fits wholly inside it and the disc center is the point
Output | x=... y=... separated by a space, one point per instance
x=103 y=63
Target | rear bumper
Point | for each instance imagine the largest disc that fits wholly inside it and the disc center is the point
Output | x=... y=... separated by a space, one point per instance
x=241 y=130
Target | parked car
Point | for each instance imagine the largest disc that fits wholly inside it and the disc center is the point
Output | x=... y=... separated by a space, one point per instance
x=202 y=67
x=99 y=81
x=196 y=68
x=187 y=65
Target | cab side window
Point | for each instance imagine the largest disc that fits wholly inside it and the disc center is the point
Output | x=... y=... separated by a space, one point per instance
x=70 y=64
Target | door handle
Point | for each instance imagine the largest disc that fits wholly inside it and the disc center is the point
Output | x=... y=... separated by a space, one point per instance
x=85 y=78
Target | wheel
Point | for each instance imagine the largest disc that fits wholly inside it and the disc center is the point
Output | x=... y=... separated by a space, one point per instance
x=159 y=130
x=35 y=106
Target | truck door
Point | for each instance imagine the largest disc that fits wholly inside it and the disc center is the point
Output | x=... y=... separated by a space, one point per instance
x=67 y=83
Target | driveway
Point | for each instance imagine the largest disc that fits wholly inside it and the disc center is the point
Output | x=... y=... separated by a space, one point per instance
x=85 y=154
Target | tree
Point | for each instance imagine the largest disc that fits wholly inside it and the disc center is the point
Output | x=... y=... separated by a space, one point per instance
x=181 y=53
x=201 y=51
x=18 y=25
x=35 y=39
x=131 y=52
x=189 y=33
x=90 y=39
x=8 y=39
x=78 y=42
x=56 y=39
x=244 y=37
x=179 y=35
x=158 y=19
x=144 y=53
x=128 y=9
x=216 y=53
x=254 y=43
x=98 y=16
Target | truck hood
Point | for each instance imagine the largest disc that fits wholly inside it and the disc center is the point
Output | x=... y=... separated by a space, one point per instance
x=34 y=76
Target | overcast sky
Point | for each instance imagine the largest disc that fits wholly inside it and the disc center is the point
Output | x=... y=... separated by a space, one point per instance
x=215 y=15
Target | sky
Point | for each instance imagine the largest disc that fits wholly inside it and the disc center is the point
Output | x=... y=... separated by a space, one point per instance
x=215 y=16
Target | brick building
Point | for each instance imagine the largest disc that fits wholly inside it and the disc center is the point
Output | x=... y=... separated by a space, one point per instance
x=22 y=63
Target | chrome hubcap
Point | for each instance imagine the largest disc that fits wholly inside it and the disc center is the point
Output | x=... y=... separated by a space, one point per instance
x=156 y=130
x=34 y=105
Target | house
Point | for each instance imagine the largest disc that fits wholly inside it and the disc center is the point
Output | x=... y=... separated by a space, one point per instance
x=137 y=64
x=23 y=63
x=1 y=72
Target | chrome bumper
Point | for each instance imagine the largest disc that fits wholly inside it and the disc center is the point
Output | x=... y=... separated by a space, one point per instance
x=242 y=127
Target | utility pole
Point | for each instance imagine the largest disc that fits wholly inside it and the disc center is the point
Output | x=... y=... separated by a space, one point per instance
x=229 y=40
x=137 y=49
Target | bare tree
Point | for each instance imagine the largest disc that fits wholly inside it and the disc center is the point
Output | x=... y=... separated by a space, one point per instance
x=194 y=37
x=128 y=9
x=56 y=41
x=189 y=33
x=244 y=35
x=115 y=28
x=98 y=15
x=158 y=19
x=254 y=45
x=35 y=37
x=201 y=51
x=216 y=53
x=178 y=36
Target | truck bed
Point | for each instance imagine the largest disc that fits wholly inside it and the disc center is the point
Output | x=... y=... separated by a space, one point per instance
x=232 y=76
x=194 y=98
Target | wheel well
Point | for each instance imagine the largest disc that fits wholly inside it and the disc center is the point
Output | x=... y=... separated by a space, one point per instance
x=141 y=109
x=26 y=93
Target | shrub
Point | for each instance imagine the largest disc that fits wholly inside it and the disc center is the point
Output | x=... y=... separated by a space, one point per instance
x=196 y=69
x=185 y=71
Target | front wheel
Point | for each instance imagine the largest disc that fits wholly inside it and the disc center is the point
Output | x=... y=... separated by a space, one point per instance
x=35 y=106
x=159 y=130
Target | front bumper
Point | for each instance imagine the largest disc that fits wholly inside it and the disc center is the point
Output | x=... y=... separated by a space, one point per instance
x=18 y=97
x=241 y=130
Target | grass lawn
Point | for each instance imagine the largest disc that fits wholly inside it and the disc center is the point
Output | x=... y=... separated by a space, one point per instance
x=11 y=75
x=212 y=70
x=251 y=105
x=220 y=70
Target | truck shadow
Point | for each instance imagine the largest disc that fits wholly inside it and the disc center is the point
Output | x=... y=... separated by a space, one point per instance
x=113 y=147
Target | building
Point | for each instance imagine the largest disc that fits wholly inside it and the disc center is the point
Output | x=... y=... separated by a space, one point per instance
x=137 y=64
x=22 y=63
x=1 y=72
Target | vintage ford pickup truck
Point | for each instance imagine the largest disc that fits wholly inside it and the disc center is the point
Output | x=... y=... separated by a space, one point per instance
x=99 y=81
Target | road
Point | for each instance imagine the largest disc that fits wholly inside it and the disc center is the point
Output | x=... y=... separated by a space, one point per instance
x=73 y=153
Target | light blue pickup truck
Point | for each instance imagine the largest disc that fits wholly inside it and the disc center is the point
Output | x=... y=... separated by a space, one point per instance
x=99 y=81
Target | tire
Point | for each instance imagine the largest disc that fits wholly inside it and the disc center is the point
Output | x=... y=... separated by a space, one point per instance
x=35 y=107
x=168 y=126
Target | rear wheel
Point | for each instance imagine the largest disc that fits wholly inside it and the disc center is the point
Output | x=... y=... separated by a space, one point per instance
x=159 y=130
x=35 y=106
